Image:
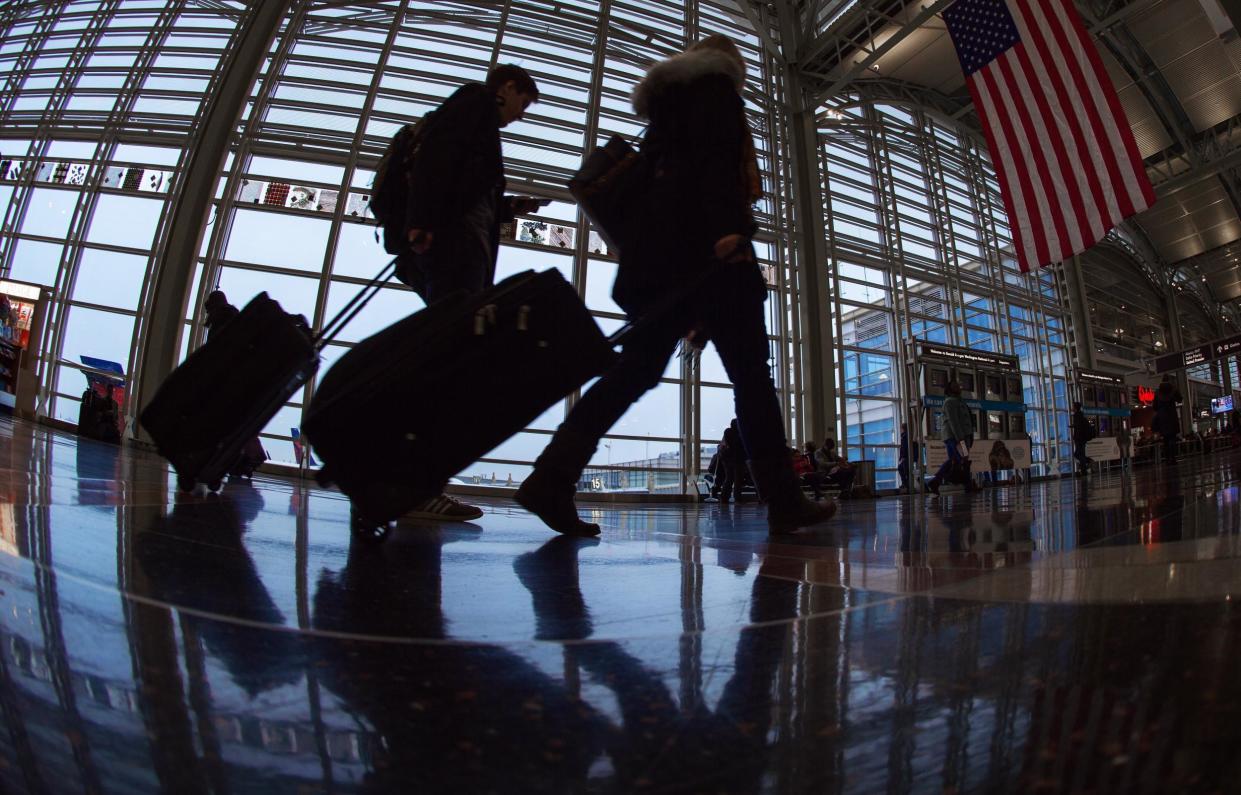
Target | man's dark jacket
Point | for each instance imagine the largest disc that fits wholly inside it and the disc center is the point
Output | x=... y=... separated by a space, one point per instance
x=1083 y=431
x=459 y=166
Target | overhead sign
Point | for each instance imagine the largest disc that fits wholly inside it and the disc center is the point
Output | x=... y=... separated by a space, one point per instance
x=1095 y=411
x=1096 y=377
x=949 y=353
x=1227 y=347
x=1198 y=354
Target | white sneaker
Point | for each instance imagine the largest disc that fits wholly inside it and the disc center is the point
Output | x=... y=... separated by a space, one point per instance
x=446 y=509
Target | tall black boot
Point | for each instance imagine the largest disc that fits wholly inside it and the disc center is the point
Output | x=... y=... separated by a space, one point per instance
x=787 y=508
x=548 y=491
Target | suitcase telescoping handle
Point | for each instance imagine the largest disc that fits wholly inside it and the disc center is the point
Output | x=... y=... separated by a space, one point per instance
x=350 y=310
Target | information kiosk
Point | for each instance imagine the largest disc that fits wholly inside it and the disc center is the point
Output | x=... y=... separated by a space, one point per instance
x=991 y=387
x=1105 y=400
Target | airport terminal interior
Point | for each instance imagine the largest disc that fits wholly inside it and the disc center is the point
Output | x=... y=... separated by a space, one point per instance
x=1039 y=626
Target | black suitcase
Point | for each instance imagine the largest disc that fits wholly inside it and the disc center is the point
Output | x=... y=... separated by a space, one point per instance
x=222 y=396
x=418 y=402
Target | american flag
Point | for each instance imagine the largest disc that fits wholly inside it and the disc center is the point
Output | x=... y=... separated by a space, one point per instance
x=1068 y=165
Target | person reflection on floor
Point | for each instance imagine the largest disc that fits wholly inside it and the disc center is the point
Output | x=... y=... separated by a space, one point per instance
x=470 y=717
x=448 y=717
x=701 y=750
x=195 y=558
x=98 y=474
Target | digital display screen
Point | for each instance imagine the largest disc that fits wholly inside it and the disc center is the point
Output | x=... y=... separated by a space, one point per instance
x=939 y=378
x=967 y=381
x=1221 y=405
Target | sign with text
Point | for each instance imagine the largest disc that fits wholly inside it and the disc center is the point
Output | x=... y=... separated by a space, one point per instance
x=949 y=353
x=1095 y=411
x=1227 y=347
x=1096 y=377
x=1198 y=354
x=936 y=401
x=1103 y=448
x=985 y=455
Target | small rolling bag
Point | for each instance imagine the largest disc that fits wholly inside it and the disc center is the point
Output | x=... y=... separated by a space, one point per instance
x=413 y=405
x=220 y=398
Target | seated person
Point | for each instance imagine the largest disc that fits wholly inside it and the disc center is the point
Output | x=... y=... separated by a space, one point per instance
x=804 y=466
x=834 y=467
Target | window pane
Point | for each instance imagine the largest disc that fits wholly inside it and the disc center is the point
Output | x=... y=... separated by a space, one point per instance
x=104 y=335
x=280 y=239
x=49 y=212
x=110 y=278
x=36 y=261
x=358 y=253
x=125 y=221
x=295 y=294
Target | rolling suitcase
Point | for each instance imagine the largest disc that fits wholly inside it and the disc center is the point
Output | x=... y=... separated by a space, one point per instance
x=418 y=402
x=222 y=396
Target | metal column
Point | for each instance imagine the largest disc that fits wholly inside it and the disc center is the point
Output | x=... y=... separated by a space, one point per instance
x=1178 y=343
x=1083 y=333
x=165 y=314
x=809 y=244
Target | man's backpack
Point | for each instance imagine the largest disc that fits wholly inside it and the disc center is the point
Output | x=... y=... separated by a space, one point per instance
x=390 y=189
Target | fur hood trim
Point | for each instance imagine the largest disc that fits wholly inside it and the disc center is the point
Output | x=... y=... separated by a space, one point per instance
x=684 y=68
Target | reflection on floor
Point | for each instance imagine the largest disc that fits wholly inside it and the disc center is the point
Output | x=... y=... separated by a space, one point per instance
x=1071 y=636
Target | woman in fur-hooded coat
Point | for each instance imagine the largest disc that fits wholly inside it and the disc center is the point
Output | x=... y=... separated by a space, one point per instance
x=706 y=175
x=698 y=224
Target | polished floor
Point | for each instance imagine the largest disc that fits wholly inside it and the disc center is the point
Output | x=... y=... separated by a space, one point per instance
x=1072 y=636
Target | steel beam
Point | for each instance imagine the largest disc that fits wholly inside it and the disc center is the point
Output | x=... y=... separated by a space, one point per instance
x=1083 y=330
x=841 y=83
x=809 y=243
x=1209 y=168
x=188 y=210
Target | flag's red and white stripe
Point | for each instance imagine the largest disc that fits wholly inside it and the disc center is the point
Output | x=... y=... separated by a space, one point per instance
x=1066 y=158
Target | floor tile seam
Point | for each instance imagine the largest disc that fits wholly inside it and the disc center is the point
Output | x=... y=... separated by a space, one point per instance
x=445 y=642
x=1133 y=565
x=882 y=566
x=1046 y=563
x=1066 y=602
x=958 y=590
x=1103 y=543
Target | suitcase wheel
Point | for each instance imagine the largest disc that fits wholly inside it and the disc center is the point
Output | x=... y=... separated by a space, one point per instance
x=368 y=530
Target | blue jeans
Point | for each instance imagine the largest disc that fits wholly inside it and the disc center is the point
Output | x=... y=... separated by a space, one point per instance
x=953 y=455
x=731 y=309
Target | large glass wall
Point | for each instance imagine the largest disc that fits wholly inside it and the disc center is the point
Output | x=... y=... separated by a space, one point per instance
x=104 y=99
x=101 y=103
x=921 y=250
x=290 y=213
